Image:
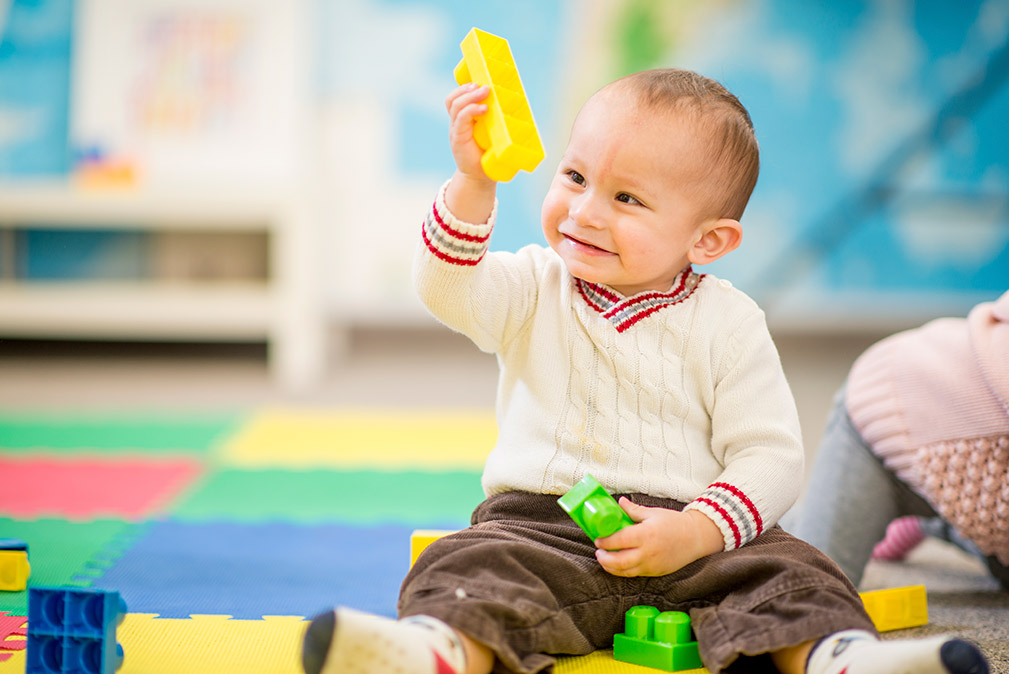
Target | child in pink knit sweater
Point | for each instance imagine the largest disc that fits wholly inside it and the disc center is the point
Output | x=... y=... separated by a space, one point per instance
x=921 y=431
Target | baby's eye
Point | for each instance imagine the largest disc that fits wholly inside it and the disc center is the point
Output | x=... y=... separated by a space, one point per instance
x=628 y=199
x=576 y=177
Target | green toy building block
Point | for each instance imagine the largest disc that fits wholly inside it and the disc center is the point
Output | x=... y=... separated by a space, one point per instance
x=659 y=640
x=506 y=132
x=593 y=509
x=14 y=566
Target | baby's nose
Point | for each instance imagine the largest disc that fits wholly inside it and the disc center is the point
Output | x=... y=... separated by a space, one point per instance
x=587 y=211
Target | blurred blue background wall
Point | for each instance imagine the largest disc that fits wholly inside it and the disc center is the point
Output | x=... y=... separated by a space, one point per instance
x=885 y=176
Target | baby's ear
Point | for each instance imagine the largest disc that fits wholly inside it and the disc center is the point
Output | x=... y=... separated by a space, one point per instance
x=719 y=238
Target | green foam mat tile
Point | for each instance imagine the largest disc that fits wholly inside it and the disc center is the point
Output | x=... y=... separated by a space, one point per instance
x=109 y=433
x=415 y=498
x=65 y=553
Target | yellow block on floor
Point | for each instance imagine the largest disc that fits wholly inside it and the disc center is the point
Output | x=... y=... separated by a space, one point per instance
x=364 y=438
x=421 y=538
x=897 y=608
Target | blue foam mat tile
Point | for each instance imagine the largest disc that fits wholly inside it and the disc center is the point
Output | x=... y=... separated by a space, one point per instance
x=250 y=570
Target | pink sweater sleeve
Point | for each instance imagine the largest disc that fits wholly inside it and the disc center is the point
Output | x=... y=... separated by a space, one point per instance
x=933 y=403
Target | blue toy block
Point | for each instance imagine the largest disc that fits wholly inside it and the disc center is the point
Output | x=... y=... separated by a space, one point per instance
x=593 y=509
x=73 y=631
x=14 y=567
x=659 y=640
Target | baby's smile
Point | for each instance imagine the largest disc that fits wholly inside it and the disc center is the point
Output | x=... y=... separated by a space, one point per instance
x=584 y=246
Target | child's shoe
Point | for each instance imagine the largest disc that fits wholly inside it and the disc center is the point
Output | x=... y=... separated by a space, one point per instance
x=902 y=536
x=859 y=652
x=346 y=641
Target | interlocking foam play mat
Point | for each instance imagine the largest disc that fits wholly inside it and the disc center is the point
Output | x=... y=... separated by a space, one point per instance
x=223 y=533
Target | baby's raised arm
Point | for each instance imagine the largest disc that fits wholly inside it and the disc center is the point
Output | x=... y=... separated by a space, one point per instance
x=470 y=195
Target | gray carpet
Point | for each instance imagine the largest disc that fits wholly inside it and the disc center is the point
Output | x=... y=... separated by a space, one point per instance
x=963 y=599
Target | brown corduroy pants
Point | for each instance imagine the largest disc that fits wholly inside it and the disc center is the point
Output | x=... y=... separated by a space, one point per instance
x=524 y=580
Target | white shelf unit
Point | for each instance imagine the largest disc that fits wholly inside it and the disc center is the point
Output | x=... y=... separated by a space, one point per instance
x=283 y=309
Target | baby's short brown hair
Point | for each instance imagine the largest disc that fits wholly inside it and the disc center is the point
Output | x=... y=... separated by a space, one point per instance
x=731 y=142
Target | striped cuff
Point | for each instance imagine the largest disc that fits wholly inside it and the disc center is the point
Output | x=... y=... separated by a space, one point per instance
x=452 y=240
x=732 y=510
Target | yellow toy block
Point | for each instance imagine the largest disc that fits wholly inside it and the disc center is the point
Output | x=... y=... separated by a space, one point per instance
x=14 y=566
x=506 y=132
x=421 y=538
x=897 y=608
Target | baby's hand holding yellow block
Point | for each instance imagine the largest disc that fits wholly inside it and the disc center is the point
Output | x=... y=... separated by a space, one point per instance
x=506 y=132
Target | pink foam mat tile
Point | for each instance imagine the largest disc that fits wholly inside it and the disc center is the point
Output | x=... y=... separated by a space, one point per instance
x=13 y=632
x=83 y=488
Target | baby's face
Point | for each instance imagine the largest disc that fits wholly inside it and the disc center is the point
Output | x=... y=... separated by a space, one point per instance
x=625 y=207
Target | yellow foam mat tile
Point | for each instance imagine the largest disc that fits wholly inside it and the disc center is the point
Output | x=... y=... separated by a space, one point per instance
x=11 y=661
x=365 y=438
x=14 y=662
x=217 y=644
x=211 y=643
x=602 y=662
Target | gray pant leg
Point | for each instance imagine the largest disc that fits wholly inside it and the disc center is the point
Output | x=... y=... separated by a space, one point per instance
x=850 y=498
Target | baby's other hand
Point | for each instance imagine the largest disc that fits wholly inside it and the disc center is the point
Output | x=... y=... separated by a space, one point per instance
x=660 y=542
x=464 y=106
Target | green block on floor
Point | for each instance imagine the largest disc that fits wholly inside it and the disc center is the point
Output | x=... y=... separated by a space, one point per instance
x=659 y=640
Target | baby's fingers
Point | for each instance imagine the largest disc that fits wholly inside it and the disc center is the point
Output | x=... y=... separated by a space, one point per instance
x=466 y=95
x=464 y=106
x=619 y=562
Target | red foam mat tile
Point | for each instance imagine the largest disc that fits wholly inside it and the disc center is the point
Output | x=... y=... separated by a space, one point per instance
x=90 y=487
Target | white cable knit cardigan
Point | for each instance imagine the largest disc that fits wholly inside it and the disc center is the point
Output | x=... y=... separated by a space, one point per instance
x=678 y=395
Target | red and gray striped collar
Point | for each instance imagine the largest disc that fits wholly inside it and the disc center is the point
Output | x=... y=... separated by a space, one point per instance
x=623 y=312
